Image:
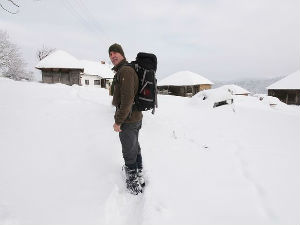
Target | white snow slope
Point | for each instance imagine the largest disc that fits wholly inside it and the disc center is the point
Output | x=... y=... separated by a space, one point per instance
x=60 y=161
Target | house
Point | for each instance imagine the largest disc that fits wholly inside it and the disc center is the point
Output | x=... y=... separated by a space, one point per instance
x=60 y=67
x=184 y=83
x=287 y=89
x=97 y=74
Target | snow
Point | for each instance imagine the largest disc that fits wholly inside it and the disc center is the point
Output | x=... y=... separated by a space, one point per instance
x=59 y=59
x=184 y=78
x=235 y=89
x=212 y=96
x=60 y=161
x=291 y=81
x=96 y=68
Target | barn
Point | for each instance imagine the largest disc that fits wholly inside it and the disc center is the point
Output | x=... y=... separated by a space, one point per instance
x=287 y=89
x=60 y=67
x=183 y=83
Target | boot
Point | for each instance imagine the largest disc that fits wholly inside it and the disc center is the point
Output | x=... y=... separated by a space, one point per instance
x=139 y=162
x=141 y=176
x=132 y=181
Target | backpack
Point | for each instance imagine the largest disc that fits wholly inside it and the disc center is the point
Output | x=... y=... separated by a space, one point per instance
x=145 y=66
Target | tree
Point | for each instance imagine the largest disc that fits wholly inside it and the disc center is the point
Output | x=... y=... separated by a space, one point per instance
x=44 y=52
x=12 y=64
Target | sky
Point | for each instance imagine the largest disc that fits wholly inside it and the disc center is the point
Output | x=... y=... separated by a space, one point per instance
x=221 y=40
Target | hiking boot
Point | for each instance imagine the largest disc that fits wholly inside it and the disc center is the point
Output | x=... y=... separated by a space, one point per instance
x=132 y=181
x=141 y=177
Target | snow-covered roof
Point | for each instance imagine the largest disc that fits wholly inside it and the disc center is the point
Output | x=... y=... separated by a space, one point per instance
x=291 y=81
x=184 y=78
x=235 y=89
x=59 y=59
x=96 y=68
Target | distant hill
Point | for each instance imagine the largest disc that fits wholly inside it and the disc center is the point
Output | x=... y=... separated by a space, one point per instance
x=255 y=86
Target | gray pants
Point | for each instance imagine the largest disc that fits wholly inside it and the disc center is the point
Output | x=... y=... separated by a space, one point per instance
x=129 y=137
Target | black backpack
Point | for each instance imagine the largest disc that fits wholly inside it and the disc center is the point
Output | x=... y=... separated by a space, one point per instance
x=145 y=66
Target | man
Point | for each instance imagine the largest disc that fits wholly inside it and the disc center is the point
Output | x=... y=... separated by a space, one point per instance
x=128 y=122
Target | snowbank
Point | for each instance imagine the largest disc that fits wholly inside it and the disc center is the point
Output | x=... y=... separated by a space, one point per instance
x=60 y=161
x=214 y=97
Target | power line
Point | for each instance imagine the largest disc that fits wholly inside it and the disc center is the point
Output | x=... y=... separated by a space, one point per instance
x=85 y=20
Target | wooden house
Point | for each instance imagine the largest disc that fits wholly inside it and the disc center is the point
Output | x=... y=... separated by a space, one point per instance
x=184 y=83
x=287 y=89
x=60 y=67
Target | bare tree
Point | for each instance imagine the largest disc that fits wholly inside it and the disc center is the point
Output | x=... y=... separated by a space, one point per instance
x=12 y=3
x=44 y=52
x=12 y=64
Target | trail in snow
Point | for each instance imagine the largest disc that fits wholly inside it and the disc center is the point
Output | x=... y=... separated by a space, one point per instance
x=258 y=188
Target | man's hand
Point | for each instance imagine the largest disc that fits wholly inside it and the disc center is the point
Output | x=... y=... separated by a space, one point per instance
x=117 y=127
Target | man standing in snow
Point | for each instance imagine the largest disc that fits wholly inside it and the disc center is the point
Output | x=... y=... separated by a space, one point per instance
x=128 y=122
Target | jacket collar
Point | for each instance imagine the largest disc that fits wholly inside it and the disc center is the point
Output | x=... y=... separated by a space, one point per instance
x=118 y=67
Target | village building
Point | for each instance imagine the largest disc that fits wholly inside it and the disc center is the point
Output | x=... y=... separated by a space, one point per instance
x=287 y=89
x=62 y=67
x=184 y=83
x=96 y=74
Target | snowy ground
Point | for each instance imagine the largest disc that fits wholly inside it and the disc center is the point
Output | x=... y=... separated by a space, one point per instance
x=60 y=161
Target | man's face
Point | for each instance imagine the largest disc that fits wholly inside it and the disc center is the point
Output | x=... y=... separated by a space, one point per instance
x=115 y=57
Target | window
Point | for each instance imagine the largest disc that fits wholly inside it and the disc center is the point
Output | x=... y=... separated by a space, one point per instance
x=87 y=82
x=96 y=82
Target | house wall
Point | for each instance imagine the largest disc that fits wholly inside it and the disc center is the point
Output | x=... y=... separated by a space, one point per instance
x=63 y=76
x=205 y=87
x=185 y=91
x=93 y=80
x=291 y=97
x=100 y=82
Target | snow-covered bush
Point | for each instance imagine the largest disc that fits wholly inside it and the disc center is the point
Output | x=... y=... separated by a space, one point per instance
x=12 y=64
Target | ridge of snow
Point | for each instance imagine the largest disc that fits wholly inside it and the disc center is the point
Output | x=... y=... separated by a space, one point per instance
x=235 y=89
x=291 y=81
x=184 y=78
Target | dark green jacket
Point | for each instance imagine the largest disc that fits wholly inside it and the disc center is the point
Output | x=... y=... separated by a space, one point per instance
x=125 y=88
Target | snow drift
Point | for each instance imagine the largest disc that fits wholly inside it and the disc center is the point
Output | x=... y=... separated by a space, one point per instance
x=60 y=161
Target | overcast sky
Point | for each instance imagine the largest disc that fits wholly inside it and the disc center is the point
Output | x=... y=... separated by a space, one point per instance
x=219 y=39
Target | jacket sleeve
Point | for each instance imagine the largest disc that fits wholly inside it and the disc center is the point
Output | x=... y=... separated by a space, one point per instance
x=127 y=94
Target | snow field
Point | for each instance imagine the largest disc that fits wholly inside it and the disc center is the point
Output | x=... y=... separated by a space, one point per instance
x=60 y=161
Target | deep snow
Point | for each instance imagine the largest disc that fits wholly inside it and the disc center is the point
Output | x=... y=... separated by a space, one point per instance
x=60 y=161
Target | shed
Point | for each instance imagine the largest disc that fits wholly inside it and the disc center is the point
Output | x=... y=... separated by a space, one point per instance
x=287 y=89
x=60 y=67
x=183 y=83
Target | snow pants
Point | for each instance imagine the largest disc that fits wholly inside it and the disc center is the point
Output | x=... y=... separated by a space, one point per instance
x=131 y=150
